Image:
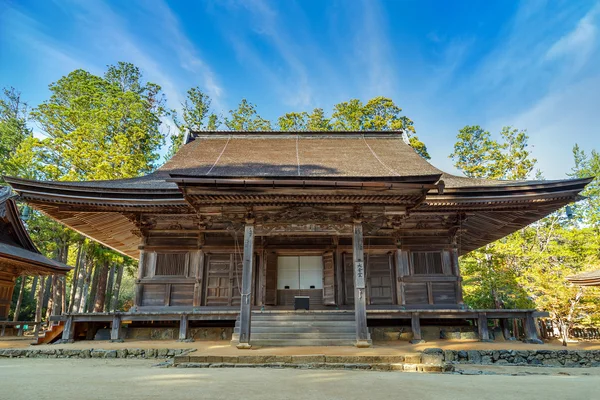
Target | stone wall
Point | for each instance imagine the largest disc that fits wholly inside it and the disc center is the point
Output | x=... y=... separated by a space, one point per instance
x=93 y=353
x=549 y=358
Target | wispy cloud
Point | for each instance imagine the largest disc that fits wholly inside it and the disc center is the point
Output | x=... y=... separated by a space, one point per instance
x=373 y=50
x=175 y=38
x=289 y=74
x=578 y=44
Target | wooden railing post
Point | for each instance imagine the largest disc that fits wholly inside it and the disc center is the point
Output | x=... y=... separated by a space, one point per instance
x=360 y=301
x=531 y=335
x=68 y=330
x=482 y=327
x=115 y=331
x=246 y=295
x=415 y=324
x=184 y=329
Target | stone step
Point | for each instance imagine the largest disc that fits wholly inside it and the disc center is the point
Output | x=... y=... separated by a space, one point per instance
x=299 y=329
x=295 y=335
x=300 y=342
x=302 y=317
x=312 y=324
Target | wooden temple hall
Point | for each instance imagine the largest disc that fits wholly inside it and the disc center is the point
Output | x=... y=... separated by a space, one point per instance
x=298 y=237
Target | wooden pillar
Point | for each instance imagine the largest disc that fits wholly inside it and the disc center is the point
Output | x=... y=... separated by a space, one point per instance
x=482 y=327
x=339 y=272
x=360 y=301
x=415 y=324
x=137 y=301
x=402 y=270
x=199 y=284
x=115 y=329
x=531 y=335
x=68 y=330
x=456 y=271
x=246 y=295
x=184 y=329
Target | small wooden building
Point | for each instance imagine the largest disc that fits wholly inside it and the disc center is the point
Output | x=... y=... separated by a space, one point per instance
x=241 y=224
x=591 y=278
x=18 y=254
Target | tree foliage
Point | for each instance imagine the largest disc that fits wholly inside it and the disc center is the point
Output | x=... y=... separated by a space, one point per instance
x=13 y=128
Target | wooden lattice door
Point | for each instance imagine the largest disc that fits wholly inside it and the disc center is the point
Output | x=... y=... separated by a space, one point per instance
x=222 y=280
x=379 y=273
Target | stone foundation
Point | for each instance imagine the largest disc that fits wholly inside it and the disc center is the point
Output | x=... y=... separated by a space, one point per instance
x=212 y=333
x=404 y=333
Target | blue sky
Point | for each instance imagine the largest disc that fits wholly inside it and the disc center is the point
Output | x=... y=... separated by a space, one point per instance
x=534 y=65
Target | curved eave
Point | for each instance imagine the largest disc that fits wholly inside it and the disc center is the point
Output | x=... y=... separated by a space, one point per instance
x=118 y=199
x=25 y=260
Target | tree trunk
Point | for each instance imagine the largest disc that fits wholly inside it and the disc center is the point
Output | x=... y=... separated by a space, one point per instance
x=109 y=287
x=33 y=288
x=81 y=274
x=86 y=286
x=20 y=298
x=115 y=296
x=101 y=288
x=75 y=279
x=50 y=307
x=93 y=290
x=63 y=294
x=39 y=306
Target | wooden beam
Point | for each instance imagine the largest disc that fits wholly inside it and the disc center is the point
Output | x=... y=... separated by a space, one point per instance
x=360 y=301
x=247 y=266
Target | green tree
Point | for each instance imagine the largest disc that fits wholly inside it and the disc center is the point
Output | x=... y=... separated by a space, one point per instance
x=100 y=127
x=196 y=116
x=588 y=165
x=379 y=114
x=317 y=121
x=13 y=128
x=477 y=155
x=246 y=118
x=293 y=121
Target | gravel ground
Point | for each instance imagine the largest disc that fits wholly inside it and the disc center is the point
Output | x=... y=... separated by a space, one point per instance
x=137 y=379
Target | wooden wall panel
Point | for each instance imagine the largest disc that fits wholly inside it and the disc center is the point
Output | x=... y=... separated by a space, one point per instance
x=182 y=295
x=271 y=279
x=416 y=293
x=348 y=279
x=153 y=295
x=444 y=292
x=328 y=292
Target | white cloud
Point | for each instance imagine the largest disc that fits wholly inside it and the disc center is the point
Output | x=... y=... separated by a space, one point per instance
x=578 y=44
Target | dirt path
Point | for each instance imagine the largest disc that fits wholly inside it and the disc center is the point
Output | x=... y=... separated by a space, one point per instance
x=134 y=379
